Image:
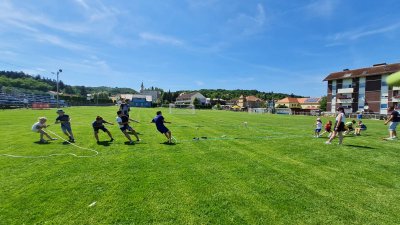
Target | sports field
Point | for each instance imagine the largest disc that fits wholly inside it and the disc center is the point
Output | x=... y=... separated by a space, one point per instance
x=269 y=170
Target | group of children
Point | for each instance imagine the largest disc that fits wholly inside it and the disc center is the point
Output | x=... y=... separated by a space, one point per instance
x=123 y=121
x=348 y=128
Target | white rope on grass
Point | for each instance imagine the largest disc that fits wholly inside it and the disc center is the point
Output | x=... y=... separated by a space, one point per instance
x=57 y=154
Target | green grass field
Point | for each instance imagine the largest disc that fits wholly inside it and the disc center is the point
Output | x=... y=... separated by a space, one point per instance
x=271 y=172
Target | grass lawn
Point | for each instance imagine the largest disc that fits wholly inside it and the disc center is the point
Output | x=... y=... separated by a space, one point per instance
x=271 y=172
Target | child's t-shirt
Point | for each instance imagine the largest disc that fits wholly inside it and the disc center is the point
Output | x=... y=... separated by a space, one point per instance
x=319 y=125
x=64 y=119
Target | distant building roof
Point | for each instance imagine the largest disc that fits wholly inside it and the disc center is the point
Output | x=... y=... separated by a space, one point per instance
x=186 y=95
x=148 y=98
x=288 y=100
x=252 y=99
x=377 y=69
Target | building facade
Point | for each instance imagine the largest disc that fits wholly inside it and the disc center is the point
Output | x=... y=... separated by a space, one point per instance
x=188 y=98
x=363 y=90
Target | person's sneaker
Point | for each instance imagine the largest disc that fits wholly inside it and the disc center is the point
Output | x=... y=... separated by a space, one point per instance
x=72 y=140
x=138 y=140
x=42 y=141
x=327 y=142
x=112 y=139
x=131 y=142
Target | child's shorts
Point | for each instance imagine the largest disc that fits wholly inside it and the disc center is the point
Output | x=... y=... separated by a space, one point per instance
x=66 y=128
x=317 y=130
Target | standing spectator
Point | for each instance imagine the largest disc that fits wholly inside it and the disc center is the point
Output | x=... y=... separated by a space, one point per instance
x=339 y=126
x=393 y=121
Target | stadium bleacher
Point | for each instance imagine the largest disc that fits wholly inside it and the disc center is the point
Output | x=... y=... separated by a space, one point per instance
x=20 y=100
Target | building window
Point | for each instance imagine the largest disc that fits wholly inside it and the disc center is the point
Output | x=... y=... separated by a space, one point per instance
x=384 y=84
x=334 y=87
x=361 y=96
x=384 y=106
x=362 y=85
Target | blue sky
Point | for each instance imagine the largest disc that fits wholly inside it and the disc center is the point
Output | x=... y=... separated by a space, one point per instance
x=269 y=45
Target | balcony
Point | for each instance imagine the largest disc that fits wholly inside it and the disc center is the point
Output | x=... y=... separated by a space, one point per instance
x=345 y=100
x=396 y=88
x=345 y=90
x=396 y=98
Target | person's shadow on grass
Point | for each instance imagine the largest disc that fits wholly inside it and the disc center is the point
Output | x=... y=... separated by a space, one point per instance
x=41 y=142
x=104 y=143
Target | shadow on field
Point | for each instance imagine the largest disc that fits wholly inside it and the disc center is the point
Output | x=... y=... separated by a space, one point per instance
x=104 y=143
x=42 y=143
x=167 y=143
x=360 y=146
x=128 y=143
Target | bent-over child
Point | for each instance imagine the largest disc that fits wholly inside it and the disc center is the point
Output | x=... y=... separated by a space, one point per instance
x=360 y=126
x=159 y=121
x=38 y=128
x=328 y=128
x=98 y=124
x=123 y=122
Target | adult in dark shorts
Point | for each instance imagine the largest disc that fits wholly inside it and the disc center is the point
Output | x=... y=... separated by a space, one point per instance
x=339 y=126
x=97 y=125
x=159 y=121
x=123 y=122
x=393 y=121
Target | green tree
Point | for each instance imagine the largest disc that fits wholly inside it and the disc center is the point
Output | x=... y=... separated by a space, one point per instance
x=323 y=103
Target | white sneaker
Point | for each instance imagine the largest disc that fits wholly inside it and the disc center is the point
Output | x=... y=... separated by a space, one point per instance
x=327 y=142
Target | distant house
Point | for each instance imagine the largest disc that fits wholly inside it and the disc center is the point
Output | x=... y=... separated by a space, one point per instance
x=299 y=104
x=249 y=102
x=253 y=102
x=141 y=101
x=188 y=98
x=155 y=95
x=309 y=103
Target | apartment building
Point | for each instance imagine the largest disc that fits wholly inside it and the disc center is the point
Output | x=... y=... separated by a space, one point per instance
x=363 y=90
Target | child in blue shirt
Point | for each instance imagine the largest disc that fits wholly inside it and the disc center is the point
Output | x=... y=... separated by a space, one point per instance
x=159 y=121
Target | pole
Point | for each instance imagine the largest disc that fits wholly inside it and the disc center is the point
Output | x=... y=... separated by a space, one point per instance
x=58 y=72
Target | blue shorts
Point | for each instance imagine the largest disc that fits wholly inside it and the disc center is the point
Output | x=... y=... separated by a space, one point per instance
x=103 y=128
x=66 y=127
x=126 y=127
x=393 y=125
x=317 y=130
x=162 y=129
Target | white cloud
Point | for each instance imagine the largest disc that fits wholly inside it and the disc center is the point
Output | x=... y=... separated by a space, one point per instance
x=161 y=39
x=364 y=32
x=249 y=24
x=322 y=8
x=199 y=83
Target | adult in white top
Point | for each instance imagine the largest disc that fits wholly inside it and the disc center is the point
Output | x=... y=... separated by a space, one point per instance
x=339 y=126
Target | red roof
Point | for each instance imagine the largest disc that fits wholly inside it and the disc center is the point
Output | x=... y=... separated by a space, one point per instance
x=288 y=100
x=364 y=72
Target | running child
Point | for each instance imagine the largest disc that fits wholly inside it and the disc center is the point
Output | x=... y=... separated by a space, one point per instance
x=318 y=128
x=159 y=121
x=98 y=124
x=123 y=122
x=360 y=126
x=65 y=124
x=38 y=128
x=328 y=128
